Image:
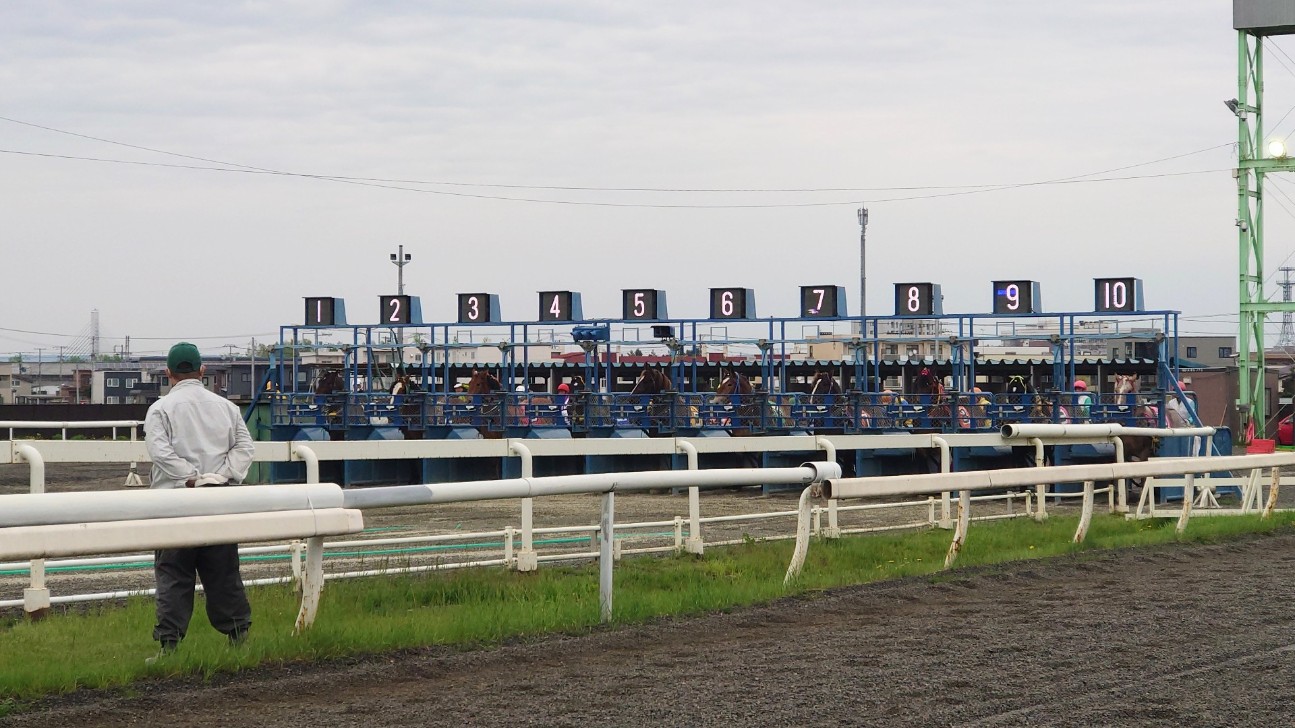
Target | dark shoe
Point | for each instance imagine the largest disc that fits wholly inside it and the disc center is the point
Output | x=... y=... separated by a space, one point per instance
x=236 y=639
x=168 y=649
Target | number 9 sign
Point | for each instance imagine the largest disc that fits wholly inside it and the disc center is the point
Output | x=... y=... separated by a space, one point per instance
x=1011 y=297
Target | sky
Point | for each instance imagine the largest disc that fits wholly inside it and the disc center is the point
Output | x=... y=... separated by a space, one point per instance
x=452 y=105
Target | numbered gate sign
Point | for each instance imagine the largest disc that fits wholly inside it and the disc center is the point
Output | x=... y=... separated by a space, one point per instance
x=400 y=310
x=918 y=299
x=325 y=311
x=822 y=302
x=732 y=303
x=1012 y=297
x=478 y=308
x=1117 y=294
x=560 y=306
x=643 y=304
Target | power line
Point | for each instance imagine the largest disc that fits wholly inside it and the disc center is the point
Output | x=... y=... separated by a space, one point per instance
x=1082 y=179
x=564 y=188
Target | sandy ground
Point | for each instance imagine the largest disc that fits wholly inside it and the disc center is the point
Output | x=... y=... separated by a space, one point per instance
x=1173 y=636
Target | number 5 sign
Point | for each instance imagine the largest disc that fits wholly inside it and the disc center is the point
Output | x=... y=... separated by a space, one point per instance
x=641 y=304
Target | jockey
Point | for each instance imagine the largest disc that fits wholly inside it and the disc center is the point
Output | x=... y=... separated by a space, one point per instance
x=1176 y=413
x=563 y=402
x=1083 y=401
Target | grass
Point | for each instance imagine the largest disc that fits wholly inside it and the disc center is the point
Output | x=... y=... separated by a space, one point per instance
x=106 y=645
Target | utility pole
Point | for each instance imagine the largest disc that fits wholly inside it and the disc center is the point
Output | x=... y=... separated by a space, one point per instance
x=1287 y=338
x=400 y=259
x=863 y=271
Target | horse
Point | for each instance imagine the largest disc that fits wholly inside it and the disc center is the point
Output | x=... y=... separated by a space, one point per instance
x=330 y=387
x=407 y=397
x=486 y=404
x=827 y=404
x=827 y=407
x=737 y=400
x=656 y=398
x=930 y=392
x=747 y=410
x=1137 y=448
x=1020 y=396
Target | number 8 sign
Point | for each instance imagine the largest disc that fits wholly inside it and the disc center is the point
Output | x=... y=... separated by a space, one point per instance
x=918 y=299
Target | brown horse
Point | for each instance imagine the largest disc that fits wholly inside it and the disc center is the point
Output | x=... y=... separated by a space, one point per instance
x=486 y=404
x=664 y=408
x=828 y=410
x=1137 y=448
x=330 y=388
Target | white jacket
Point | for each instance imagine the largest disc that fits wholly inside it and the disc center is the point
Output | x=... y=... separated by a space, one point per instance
x=192 y=431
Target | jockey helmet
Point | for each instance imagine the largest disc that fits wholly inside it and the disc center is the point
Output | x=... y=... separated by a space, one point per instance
x=1081 y=384
x=564 y=388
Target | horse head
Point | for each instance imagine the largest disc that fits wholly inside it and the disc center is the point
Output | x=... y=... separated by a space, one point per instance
x=731 y=383
x=651 y=381
x=824 y=383
x=1126 y=383
x=483 y=382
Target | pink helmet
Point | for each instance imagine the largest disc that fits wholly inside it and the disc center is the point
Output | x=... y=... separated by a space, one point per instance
x=1080 y=384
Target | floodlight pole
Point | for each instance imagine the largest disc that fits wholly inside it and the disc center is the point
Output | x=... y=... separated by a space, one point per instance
x=1253 y=164
x=863 y=272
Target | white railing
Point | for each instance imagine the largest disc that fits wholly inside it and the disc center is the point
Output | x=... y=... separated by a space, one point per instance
x=38 y=525
x=967 y=482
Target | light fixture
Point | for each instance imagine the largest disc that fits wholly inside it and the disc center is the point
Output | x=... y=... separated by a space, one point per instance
x=663 y=332
x=1277 y=148
x=1234 y=106
x=591 y=333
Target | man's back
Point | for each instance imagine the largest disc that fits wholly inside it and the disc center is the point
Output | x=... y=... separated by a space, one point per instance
x=192 y=431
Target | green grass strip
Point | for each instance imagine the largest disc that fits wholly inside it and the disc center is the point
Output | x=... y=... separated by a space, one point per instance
x=106 y=645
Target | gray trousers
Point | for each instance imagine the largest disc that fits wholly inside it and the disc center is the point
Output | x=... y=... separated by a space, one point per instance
x=177 y=571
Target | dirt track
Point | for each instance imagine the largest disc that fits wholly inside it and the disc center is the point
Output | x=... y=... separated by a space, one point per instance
x=1174 y=636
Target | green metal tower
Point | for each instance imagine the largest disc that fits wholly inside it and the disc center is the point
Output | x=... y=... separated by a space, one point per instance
x=1253 y=21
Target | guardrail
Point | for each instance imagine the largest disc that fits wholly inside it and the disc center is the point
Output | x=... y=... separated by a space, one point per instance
x=39 y=525
x=967 y=482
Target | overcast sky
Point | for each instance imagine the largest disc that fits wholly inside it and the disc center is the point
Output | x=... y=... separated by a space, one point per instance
x=589 y=93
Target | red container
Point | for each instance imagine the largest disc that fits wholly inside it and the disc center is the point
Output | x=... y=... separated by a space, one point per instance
x=1260 y=446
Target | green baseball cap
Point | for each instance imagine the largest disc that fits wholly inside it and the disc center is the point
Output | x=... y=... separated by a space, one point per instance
x=183 y=358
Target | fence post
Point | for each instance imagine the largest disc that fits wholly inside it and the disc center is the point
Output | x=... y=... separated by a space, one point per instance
x=605 y=560
x=312 y=586
x=833 y=525
x=694 y=544
x=1041 y=490
x=35 y=598
x=946 y=465
x=527 y=559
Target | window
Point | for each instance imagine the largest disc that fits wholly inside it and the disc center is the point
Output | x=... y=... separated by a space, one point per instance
x=1225 y=352
x=247 y=377
x=1115 y=353
x=1191 y=352
x=112 y=400
x=206 y=381
x=892 y=350
x=131 y=382
x=112 y=382
x=911 y=352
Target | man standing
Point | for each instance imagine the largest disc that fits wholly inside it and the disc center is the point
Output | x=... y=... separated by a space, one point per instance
x=197 y=438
